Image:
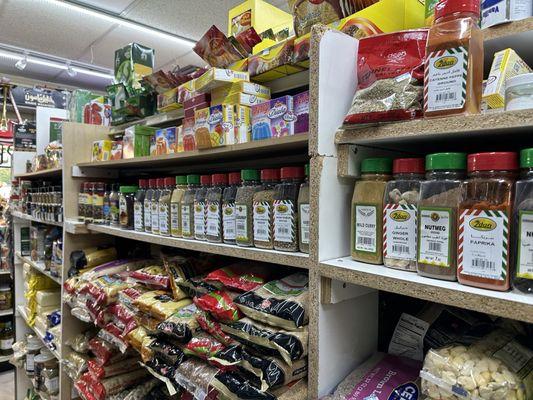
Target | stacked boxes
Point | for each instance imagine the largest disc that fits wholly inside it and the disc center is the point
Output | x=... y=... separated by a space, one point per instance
x=274 y=118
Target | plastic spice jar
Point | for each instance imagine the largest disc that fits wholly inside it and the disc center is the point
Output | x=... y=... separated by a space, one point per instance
x=519 y=92
x=46 y=377
x=175 y=205
x=303 y=211
x=440 y=195
x=164 y=206
x=33 y=348
x=244 y=200
x=138 y=205
x=6 y=299
x=187 y=206
x=199 y=207
x=98 y=203
x=7 y=337
x=213 y=229
x=228 y=207
x=367 y=210
x=114 y=205
x=286 y=209
x=484 y=212
x=400 y=213
x=152 y=184
x=263 y=212
x=82 y=201
x=160 y=184
x=126 y=200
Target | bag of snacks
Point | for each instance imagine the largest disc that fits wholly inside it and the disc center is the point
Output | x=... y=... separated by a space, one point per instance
x=153 y=276
x=110 y=386
x=102 y=350
x=181 y=325
x=220 y=305
x=104 y=290
x=127 y=296
x=75 y=364
x=212 y=327
x=164 y=309
x=390 y=73
x=146 y=300
x=242 y=277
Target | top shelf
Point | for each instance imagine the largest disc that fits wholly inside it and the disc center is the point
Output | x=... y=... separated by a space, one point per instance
x=47 y=173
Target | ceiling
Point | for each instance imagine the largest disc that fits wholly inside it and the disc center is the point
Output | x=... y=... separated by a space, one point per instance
x=56 y=28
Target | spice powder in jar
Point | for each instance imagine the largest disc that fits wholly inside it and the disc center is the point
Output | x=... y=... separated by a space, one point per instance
x=126 y=203
x=400 y=214
x=228 y=207
x=199 y=207
x=263 y=209
x=367 y=210
x=483 y=232
x=175 y=205
x=214 y=208
x=244 y=200
x=440 y=195
x=187 y=206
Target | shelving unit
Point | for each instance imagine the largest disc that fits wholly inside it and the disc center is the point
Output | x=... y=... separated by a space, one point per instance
x=38 y=266
x=37 y=332
x=46 y=173
x=27 y=217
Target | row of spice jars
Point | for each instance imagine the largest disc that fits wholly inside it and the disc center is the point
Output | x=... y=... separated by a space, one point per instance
x=267 y=209
x=42 y=201
x=460 y=221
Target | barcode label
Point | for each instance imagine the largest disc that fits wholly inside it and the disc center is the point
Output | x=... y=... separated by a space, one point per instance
x=435 y=246
x=365 y=216
x=435 y=235
x=228 y=221
x=262 y=221
x=446 y=96
x=186 y=221
x=366 y=241
x=399 y=232
x=241 y=222
x=284 y=222
x=400 y=249
x=483 y=264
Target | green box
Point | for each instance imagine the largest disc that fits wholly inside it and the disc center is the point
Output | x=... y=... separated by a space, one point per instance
x=76 y=103
x=132 y=62
x=136 y=141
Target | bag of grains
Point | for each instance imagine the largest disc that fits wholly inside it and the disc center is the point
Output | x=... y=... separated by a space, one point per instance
x=220 y=305
x=181 y=325
x=212 y=327
x=118 y=368
x=170 y=353
x=390 y=73
x=272 y=372
x=198 y=286
x=135 y=337
x=242 y=276
x=75 y=364
x=195 y=376
x=154 y=276
x=234 y=387
x=282 y=303
x=203 y=345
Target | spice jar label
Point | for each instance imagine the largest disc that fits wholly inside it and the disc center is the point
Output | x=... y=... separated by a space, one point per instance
x=6 y=344
x=186 y=220
x=399 y=231
x=446 y=73
x=228 y=219
x=138 y=217
x=174 y=219
x=483 y=243
x=365 y=227
x=163 y=219
x=155 y=217
x=262 y=221
x=199 y=219
x=434 y=236
x=98 y=200
x=524 y=269
x=304 y=223
x=123 y=212
x=284 y=221
x=115 y=210
x=213 y=219
x=147 y=214
x=241 y=222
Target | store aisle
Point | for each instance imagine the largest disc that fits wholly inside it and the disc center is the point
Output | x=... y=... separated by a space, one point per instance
x=7 y=385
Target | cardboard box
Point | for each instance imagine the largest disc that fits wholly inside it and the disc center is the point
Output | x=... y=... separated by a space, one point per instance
x=179 y=139
x=273 y=119
x=221 y=124
x=243 y=124
x=240 y=87
x=101 y=150
x=201 y=98
x=165 y=141
x=136 y=141
x=189 y=112
x=189 y=140
x=168 y=101
x=499 y=12
x=116 y=150
x=216 y=77
x=132 y=62
x=274 y=62
x=301 y=111
x=202 y=134
x=186 y=91
x=240 y=98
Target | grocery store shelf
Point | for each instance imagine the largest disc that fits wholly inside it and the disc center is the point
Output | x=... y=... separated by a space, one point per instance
x=39 y=266
x=27 y=217
x=504 y=304
x=40 y=334
x=4 y=272
x=299 y=260
x=4 y=359
x=4 y=313
x=53 y=172
x=153 y=120
x=508 y=30
x=243 y=150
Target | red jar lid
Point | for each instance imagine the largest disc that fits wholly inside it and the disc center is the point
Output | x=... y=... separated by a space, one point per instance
x=493 y=161
x=170 y=181
x=292 y=172
x=449 y=7
x=234 y=178
x=152 y=183
x=160 y=182
x=270 y=174
x=143 y=183
x=219 y=179
x=408 y=166
x=205 y=179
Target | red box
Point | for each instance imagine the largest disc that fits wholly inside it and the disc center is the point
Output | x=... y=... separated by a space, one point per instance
x=199 y=99
x=189 y=112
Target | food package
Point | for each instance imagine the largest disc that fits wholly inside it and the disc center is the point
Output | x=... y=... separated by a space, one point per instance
x=308 y=13
x=104 y=290
x=80 y=342
x=164 y=350
x=189 y=141
x=101 y=150
x=274 y=62
x=102 y=350
x=48 y=298
x=154 y=276
x=219 y=94
x=220 y=305
x=302 y=47
x=216 y=49
x=216 y=77
x=101 y=389
x=97 y=112
x=164 y=309
x=160 y=81
x=202 y=134
x=381 y=377
x=145 y=301
x=301 y=112
x=198 y=286
x=241 y=99
x=181 y=325
x=116 y=150
x=179 y=139
x=186 y=91
x=92 y=257
x=75 y=364
x=243 y=124
x=116 y=336
x=273 y=119
x=198 y=99
x=242 y=276
x=195 y=376
x=203 y=345
x=114 y=267
x=282 y=303
x=234 y=387
x=136 y=337
x=496 y=12
x=136 y=141
x=132 y=62
x=214 y=328
x=180 y=268
x=221 y=125
x=272 y=372
x=107 y=371
x=168 y=101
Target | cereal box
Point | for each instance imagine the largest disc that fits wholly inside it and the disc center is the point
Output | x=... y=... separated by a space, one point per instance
x=273 y=119
x=165 y=141
x=301 y=111
x=243 y=124
x=221 y=125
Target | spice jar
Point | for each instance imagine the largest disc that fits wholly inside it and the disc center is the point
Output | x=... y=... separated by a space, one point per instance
x=175 y=208
x=199 y=207
x=367 y=210
x=519 y=92
x=286 y=210
x=89 y=189
x=6 y=299
x=82 y=202
x=107 y=205
x=400 y=213
x=263 y=213
x=46 y=377
x=214 y=208
x=187 y=206
x=33 y=348
x=154 y=208
x=244 y=200
x=303 y=210
x=483 y=238
x=164 y=206
x=440 y=195
x=152 y=183
x=114 y=205
x=138 y=206
x=7 y=337
x=126 y=200
x=98 y=203
x=228 y=207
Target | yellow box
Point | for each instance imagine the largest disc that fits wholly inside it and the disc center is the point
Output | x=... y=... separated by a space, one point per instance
x=239 y=98
x=217 y=77
x=102 y=150
x=240 y=87
x=241 y=65
x=168 y=100
x=505 y=65
x=186 y=91
x=243 y=124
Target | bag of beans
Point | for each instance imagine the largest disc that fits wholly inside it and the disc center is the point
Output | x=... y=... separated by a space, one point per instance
x=242 y=277
x=154 y=277
x=107 y=371
x=181 y=325
x=269 y=372
x=203 y=345
x=135 y=337
x=212 y=327
x=235 y=387
x=162 y=349
x=195 y=376
x=198 y=286
x=220 y=305
x=282 y=303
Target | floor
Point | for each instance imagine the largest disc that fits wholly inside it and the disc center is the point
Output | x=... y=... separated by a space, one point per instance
x=7 y=385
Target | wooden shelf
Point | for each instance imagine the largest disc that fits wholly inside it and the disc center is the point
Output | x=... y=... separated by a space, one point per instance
x=39 y=266
x=53 y=172
x=153 y=120
x=508 y=30
x=40 y=334
x=27 y=217
x=299 y=260
x=250 y=149
x=4 y=359
x=4 y=313
x=504 y=304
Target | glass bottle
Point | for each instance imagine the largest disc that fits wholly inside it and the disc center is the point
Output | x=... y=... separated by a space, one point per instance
x=244 y=199
x=400 y=213
x=199 y=207
x=214 y=208
x=148 y=205
x=98 y=203
x=82 y=201
x=160 y=182
x=486 y=204
x=89 y=204
x=303 y=210
x=164 y=206
x=228 y=207
x=440 y=195
x=7 y=337
x=175 y=206
x=138 y=206
x=263 y=212
x=107 y=205
x=114 y=205
x=126 y=200
x=187 y=206
x=454 y=65
x=367 y=210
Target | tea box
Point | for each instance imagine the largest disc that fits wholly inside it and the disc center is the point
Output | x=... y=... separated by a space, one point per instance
x=274 y=118
x=301 y=111
x=168 y=101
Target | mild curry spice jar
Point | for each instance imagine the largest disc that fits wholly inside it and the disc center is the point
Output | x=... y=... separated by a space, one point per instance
x=483 y=241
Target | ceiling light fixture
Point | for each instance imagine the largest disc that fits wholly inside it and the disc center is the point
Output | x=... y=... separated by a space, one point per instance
x=103 y=15
x=71 y=71
x=21 y=63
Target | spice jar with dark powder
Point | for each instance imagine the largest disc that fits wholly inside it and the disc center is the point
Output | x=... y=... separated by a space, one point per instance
x=244 y=200
x=263 y=209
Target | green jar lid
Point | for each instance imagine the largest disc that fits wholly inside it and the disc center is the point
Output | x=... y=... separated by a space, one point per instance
x=181 y=180
x=444 y=161
x=193 y=179
x=526 y=158
x=307 y=169
x=383 y=164
x=129 y=189
x=250 y=175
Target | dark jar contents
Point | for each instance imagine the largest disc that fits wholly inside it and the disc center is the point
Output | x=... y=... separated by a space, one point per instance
x=126 y=200
x=244 y=202
x=154 y=208
x=213 y=229
x=98 y=203
x=483 y=229
x=440 y=195
x=138 y=206
x=152 y=183
x=164 y=206
x=199 y=207
x=7 y=337
x=114 y=205
x=263 y=213
x=107 y=204
x=6 y=297
x=175 y=206
x=187 y=206
x=228 y=208
x=286 y=209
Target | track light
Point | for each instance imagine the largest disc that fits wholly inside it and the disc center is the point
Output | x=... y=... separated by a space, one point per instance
x=71 y=71
x=21 y=64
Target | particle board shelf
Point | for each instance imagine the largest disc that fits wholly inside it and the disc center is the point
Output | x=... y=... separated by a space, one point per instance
x=27 y=217
x=250 y=149
x=47 y=173
x=4 y=359
x=4 y=272
x=504 y=304
x=5 y=313
x=40 y=334
x=39 y=266
x=299 y=260
x=153 y=120
x=508 y=30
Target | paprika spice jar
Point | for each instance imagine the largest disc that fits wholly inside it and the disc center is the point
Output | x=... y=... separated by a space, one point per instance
x=483 y=227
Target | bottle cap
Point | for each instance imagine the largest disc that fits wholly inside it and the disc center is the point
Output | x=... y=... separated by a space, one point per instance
x=526 y=158
x=143 y=183
x=445 y=161
x=270 y=174
x=370 y=165
x=181 y=180
x=169 y=181
x=307 y=168
x=292 y=172
x=193 y=179
x=205 y=180
x=160 y=182
x=128 y=189
x=152 y=183
x=493 y=161
x=219 y=179
x=449 y=7
x=408 y=166
x=250 y=175
x=234 y=178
